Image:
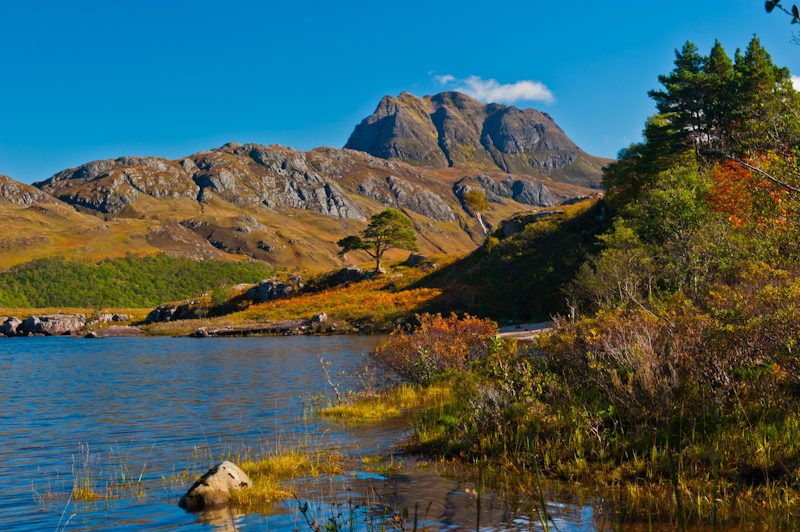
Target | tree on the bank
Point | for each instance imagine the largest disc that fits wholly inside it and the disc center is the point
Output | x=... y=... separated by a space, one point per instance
x=389 y=229
x=475 y=200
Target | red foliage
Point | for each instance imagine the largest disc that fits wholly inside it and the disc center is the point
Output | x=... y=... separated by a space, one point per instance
x=747 y=198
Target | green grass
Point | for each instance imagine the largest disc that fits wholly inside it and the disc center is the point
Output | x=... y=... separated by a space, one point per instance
x=131 y=282
x=392 y=403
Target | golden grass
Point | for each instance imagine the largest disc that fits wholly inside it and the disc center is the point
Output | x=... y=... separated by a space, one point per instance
x=379 y=301
x=392 y=403
x=270 y=472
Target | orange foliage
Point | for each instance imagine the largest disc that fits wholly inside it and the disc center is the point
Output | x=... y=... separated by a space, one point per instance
x=436 y=346
x=747 y=198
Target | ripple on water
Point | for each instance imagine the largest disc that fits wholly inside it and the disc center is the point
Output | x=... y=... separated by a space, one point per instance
x=157 y=406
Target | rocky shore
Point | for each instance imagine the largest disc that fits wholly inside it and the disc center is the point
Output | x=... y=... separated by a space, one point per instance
x=63 y=325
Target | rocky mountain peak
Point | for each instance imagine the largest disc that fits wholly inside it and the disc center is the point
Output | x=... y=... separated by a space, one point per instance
x=452 y=129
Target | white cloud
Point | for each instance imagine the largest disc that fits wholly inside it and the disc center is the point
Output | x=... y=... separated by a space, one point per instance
x=796 y=82
x=491 y=90
x=444 y=79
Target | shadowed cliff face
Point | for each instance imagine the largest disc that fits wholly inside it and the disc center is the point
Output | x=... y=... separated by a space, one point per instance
x=451 y=129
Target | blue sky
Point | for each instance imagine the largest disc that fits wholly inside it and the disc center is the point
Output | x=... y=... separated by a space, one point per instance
x=88 y=80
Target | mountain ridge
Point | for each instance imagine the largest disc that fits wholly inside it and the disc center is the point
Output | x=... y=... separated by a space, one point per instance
x=272 y=203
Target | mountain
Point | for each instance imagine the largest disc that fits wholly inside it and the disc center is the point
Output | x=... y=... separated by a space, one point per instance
x=451 y=129
x=284 y=206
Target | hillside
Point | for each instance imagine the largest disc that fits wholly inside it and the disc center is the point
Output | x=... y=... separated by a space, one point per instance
x=288 y=207
x=451 y=129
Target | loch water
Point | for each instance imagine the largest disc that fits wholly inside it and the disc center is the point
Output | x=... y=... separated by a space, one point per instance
x=153 y=409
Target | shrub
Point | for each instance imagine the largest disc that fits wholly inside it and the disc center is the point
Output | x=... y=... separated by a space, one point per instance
x=439 y=344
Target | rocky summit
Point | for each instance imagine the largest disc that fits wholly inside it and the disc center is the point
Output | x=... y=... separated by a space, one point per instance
x=451 y=129
x=290 y=207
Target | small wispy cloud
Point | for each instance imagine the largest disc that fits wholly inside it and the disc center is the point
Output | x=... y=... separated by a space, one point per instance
x=796 y=82
x=444 y=79
x=491 y=90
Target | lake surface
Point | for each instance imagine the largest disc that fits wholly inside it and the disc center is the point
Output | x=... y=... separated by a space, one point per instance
x=153 y=408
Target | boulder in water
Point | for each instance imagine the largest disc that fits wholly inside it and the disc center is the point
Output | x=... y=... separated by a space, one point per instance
x=214 y=489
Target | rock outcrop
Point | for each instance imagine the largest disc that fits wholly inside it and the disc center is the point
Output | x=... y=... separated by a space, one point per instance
x=10 y=326
x=520 y=189
x=270 y=289
x=215 y=487
x=349 y=274
x=188 y=310
x=451 y=129
x=396 y=192
x=44 y=325
x=20 y=194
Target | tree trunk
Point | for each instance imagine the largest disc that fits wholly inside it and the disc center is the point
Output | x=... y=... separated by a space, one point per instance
x=480 y=221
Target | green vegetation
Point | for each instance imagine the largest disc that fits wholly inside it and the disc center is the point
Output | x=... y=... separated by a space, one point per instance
x=133 y=282
x=674 y=377
x=520 y=276
x=388 y=229
x=394 y=402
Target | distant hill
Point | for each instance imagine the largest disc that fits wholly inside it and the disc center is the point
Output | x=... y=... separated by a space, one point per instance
x=451 y=129
x=288 y=207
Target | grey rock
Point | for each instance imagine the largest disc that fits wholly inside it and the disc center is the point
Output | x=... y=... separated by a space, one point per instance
x=21 y=194
x=397 y=192
x=416 y=259
x=188 y=310
x=269 y=289
x=160 y=314
x=10 y=326
x=105 y=318
x=215 y=487
x=522 y=190
x=28 y=326
x=349 y=274
x=52 y=324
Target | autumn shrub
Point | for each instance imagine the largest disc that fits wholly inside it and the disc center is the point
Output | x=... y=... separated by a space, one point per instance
x=438 y=344
x=642 y=363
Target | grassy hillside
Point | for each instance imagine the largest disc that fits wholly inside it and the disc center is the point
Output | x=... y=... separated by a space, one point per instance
x=121 y=282
x=520 y=277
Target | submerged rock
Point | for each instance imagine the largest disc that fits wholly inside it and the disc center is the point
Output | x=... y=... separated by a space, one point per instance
x=214 y=488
